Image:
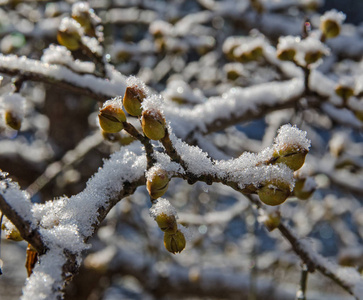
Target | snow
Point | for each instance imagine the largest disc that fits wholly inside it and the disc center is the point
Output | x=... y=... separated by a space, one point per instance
x=333 y=15
x=236 y=102
x=116 y=85
x=162 y=206
x=288 y=42
x=18 y=200
x=291 y=135
x=310 y=45
x=92 y=44
x=61 y=55
x=45 y=281
x=80 y=8
x=14 y=103
x=179 y=90
x=249 y=168
x=153 y=103
x=115 y=103
x=309 y=184
x=71 y=26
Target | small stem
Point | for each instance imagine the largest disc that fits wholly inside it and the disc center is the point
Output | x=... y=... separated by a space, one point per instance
x=170 y=150
x=301 y=293
x=130 y=129
x=307 y=73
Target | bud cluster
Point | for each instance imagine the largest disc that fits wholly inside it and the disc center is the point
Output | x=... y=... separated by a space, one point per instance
x=165 y=216
x=243 y=49
x=303 y=52
x=288 y=153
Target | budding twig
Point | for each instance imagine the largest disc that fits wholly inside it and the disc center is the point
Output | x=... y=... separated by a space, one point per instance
x=130 y=129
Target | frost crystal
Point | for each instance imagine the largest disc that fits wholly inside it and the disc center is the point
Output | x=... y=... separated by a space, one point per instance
x=291 y=135
x=163 y=206
x=115 y=102
x=133 y=81
x=153 y=103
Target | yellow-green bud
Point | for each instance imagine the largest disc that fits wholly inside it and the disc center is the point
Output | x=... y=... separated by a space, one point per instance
x=13 y=234
x=257 y=6
x=232 y=74
x=345 y=92
x=132 y=100
x=256 y=53
x=174 y=243
x=359 y=115
x=274 y=192
x=158 y=184
x=167 y=223
x=330 y=28
x=84 y=19
x=300 y=191
x=12 y=120
x=69 y=39
x=292 y=156
x=286 y=54
x=153 y=125
x=313 y=56
x=244 y=57
x=111 y=118
x=272 y=221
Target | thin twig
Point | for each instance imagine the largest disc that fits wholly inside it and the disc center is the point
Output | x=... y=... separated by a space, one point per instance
x=301 y=293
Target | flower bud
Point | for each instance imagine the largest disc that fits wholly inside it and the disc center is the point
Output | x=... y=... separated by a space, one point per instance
x=158 y=183
x=274 y=192
x=174 y=243
x=83 y=17
x=69 y=35
x=256 y=53
x=153 y=124
x=13 y=234
x=167 y=223
x=12 y=120
x=286 y=54
x=111 y=117
x=330 y=28
x=132 y=100
x=343 y=91
x=257 y=6
x=291 y=155
x=313 y=56
x=359 y=115
x=272 y=220
x=304 y=188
